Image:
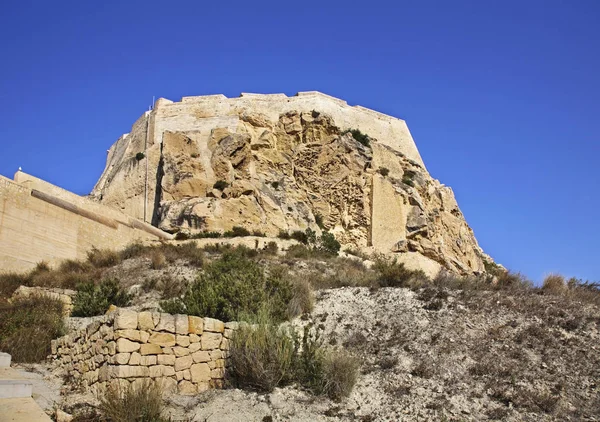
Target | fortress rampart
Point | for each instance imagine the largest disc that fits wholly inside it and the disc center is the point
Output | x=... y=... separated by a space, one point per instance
x=42 y=222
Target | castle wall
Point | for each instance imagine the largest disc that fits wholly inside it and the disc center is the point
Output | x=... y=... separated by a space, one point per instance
x=206 y=112
x=41 y=222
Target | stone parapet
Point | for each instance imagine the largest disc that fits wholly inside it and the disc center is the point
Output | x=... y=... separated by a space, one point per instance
x=184 y=353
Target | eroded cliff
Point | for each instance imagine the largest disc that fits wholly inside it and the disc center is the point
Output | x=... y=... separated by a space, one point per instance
x=288 y=171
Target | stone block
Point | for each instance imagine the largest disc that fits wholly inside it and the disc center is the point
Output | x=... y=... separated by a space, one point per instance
x=183 y=363
x=133 y=335
x=187 y=375
x=228 y=333
x=167 y=385
x=166 y=359
x=186 y=388
x=127 y=346
x=150 y=349
x=179 y=375
x=126 y=371
x=111 y=348
x=125 y=319
x=145 y=321
x=195 y=325
x=210 y=341
x=135 y=359
x=158 y=371
x=148 y=360
x=217 y=373
x=213 y=325
x=121 y=358
x=200 y=372
x=215 y=354
x=225 y=344
x=183 y=341
x=232 y=325
x=162 y=339
x=144 y=336
x=167 y=323
x=181 y=324
x=201 y=356
x=203 y=386
x=180 y=351
x=194 y=338
x=194 y=347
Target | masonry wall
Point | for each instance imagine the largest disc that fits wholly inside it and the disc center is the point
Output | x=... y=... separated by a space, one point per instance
x=184 y=353
x=40 y=223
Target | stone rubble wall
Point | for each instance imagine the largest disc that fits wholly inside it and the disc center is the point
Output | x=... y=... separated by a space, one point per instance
x=65 y=296
x=184 y=353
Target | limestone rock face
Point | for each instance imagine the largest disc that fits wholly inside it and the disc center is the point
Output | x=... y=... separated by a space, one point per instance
x=212 y=170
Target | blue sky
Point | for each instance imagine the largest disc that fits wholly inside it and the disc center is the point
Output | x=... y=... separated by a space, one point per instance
x=502 y=98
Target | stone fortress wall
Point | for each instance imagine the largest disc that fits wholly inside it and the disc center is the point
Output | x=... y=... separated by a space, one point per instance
x=42 y=222
x=184 y=353
x=198 y=116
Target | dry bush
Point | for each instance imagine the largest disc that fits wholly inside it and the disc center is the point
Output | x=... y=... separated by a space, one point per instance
x=27 y=326
x=391 y=273
x=9 y=282
x=102 y=258
x=261 y=356
x=344 y=272
x=426 y=368
x=303 y=298
x=554 y=284
x=136 y=403
x=340 y=371
x=134 y=250
x=157 y=260
x=271 y=248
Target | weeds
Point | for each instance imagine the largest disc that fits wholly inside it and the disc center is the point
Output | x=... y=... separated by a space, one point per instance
x=102 y=258
x=394 y=274
x=359 y=137
x=92 y=299
x=27 y=326
x=220 y=185
x=137 y=402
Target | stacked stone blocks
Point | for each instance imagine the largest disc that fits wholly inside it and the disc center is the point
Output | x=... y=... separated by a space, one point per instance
x=183 y=353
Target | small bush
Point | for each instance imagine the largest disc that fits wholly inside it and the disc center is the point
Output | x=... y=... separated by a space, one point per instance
x=27 y=326
x=408 y=178
x=298 y=251
x=233 y=286
x=101 y=258
x=92 y=299
x=328 y=244
x=384 y=171
x=284 y=235
x=258 y=233
x=140 y=156
x=359 y=136
x=303 y=298
x=237 y=231
x=345 y=272
x=158 y=260
x=275 y=185
x=555 y=284
x=220 y=185
x=271 y=248
x=319 y=221
x=340 y=374
x=137 y=402
x=188 y=251
x=10 y=282
x=394 y=274
x=300 y=236
x=133 y=250
x=262 y=357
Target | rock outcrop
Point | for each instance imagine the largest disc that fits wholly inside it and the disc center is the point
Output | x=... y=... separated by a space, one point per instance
x=269 y=165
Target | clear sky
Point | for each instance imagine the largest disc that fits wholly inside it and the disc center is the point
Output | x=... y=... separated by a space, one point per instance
x=502 y=98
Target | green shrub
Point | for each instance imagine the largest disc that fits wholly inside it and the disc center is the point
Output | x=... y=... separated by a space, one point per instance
x=27 y=326
x=328 y=244
x=232 y=286
x=384 y=171
x=9 y=282
x=133 y=250
x=140 y=156
x=134 y=403
x=300 y=236
x=284 y=235
x=271 y=248
x=262 y=356
x=220 y=185
x=319 y=221
x=258 y=233
x=298 y=251
x=407 y=178
x=101 y=258
x=359 y=137
x=394 y=274
x=237 y=231
x=92 y=299
x=275 y=185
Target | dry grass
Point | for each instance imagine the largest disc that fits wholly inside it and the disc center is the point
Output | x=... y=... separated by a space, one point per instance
x=103 y=258
x=303 y=298
x=158 y=260
x=138 y=402
x=554 y=284
x=28 y=325
x=340 y=371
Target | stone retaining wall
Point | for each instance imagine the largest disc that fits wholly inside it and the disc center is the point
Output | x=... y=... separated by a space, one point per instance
x=184 y=353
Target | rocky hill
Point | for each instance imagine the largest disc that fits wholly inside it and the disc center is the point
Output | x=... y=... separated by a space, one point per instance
x=273 y=164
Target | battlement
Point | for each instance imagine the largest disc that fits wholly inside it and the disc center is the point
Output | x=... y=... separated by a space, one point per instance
x=191 y=114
